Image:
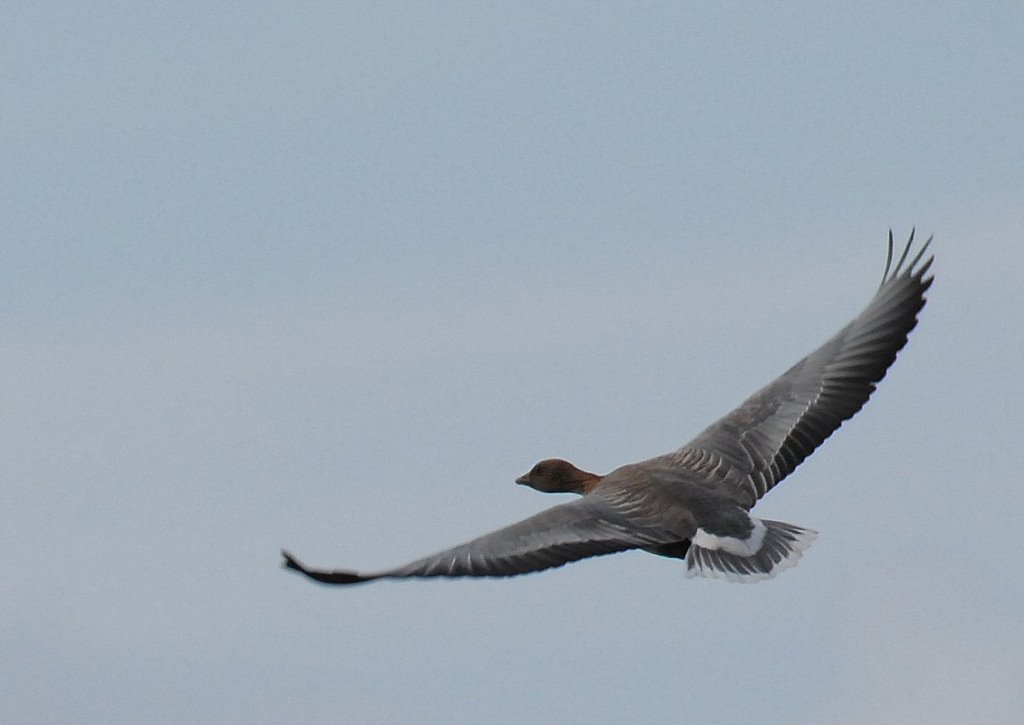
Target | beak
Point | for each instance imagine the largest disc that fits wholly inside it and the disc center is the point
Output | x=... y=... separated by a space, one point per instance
x=524 y=480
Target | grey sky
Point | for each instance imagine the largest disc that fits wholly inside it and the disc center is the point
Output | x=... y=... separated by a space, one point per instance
x=331 y=276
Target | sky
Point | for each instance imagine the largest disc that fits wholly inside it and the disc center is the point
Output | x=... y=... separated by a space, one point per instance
x=330 y=276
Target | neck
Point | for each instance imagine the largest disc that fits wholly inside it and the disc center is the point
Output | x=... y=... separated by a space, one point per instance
x=586 y=482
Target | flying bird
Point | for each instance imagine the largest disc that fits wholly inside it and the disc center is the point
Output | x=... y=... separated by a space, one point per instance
x=694 y=503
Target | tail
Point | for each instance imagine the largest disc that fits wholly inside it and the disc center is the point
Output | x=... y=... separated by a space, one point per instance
x=778 y=546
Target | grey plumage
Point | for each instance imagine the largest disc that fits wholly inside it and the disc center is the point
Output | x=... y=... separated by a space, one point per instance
x=694 y=502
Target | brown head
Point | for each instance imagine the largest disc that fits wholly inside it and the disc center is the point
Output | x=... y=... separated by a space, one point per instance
x=553 y=475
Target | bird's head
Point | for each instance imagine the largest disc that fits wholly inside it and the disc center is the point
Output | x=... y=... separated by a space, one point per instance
x=553 y=475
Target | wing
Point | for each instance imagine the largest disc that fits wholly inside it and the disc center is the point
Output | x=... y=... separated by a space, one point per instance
x=588 y=526
x=754 y=447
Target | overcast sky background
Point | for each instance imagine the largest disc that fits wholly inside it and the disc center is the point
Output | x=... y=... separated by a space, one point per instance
x=329 y=277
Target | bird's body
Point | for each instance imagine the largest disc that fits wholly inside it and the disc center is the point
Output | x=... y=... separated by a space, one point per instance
x=694 y=503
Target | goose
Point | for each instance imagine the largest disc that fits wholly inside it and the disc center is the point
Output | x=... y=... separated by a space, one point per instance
x=694 y=503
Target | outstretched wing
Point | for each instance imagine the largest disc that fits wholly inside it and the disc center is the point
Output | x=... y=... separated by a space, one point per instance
x=761 y=442
x=588 y=526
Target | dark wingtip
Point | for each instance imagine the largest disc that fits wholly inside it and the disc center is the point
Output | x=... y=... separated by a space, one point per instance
x=903 y=257
x=913 y=267
x=324 y=577
x=290 y=562
x=888 y=262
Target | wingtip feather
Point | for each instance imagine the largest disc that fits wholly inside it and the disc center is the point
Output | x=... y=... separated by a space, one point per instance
x=324 y=577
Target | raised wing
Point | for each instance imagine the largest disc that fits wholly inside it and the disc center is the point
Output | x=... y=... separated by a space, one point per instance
x=757 y=445
x=588 y=526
